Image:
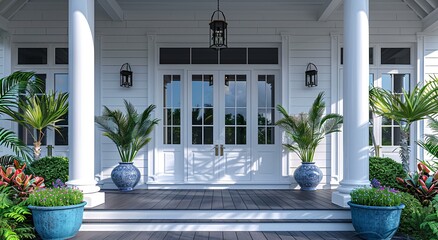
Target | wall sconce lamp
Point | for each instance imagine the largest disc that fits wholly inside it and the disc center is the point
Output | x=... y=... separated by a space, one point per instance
x=125 y=76
x=311 y=79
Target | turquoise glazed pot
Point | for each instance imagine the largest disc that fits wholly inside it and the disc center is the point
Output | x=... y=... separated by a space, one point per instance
x=125 y=176
x=57 y=222
x=308 y=176
x=375 y=223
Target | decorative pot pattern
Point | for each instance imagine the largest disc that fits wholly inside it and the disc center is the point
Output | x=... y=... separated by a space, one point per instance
x=57 y=222
x=375 y=222
x=125 y=176
x=308 y=176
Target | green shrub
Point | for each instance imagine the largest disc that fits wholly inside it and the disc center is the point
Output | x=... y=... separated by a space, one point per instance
x=412 y=217
x=430 y=222
x=51 y=168
x=386 y=171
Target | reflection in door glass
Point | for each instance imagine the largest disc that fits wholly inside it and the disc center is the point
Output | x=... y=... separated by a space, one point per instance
x=172 y=109
x=235 y=109
x=266 y=109
x=202 y=109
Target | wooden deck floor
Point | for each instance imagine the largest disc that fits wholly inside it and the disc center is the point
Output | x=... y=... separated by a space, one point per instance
x=217 y=236
x=218 y=200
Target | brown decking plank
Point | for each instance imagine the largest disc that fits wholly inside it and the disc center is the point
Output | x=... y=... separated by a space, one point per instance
x=230 y=235
x=196 y=200
x=129 y=235
x=218 y=203
x=207 y=200
x=285 y=205
x=258 y=236
x=298 y=199
x=90 y=235
x=201 y=235
x=187 y=236
x=114 y=235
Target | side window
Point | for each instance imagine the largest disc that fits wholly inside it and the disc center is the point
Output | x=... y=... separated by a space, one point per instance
x=51 y=65
x=391 y=129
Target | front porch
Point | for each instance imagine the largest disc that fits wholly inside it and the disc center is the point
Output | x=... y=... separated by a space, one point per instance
x=220 y=210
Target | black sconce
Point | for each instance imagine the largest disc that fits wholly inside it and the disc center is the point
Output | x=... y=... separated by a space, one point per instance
x=311 y=79
x=125 y=76
x=218 y=29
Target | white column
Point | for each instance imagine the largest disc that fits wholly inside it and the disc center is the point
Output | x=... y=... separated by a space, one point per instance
x=81 y=100
x=356 y=73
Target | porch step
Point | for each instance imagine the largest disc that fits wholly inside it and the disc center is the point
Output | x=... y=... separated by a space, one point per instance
x=216 y=220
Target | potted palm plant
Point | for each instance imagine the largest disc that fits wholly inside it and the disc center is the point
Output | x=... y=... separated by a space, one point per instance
x=130 y=132
x=376 y=211
x=306 y=130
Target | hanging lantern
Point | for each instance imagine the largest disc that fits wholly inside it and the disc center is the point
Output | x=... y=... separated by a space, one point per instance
x=218 y=29
x=311 y=75
x=125 y=76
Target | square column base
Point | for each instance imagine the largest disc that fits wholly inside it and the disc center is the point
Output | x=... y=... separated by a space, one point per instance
x=94 y=199
x=341 y=199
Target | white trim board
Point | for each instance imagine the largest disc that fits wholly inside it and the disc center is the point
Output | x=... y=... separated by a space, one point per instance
x=216 y=227
x=220 y=214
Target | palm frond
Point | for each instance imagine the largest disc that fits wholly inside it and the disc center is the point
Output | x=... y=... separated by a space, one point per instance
x=307 y=130
x=10 y=140
x=129 y=130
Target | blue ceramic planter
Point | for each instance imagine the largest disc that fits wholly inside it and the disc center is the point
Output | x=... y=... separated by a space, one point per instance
x=308 y=176
x=375 y=223
x=125 y=176
x=57 y=222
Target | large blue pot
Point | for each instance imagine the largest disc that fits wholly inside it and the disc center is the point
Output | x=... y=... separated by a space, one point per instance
x=125 y=176
x=57 y=222
x=308 y=176
x=376 y=223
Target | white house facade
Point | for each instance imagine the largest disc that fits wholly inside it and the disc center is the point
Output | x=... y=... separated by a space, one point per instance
x=217 y=108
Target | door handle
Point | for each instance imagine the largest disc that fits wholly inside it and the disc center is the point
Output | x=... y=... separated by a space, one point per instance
x=222 y=150
x=216 y=150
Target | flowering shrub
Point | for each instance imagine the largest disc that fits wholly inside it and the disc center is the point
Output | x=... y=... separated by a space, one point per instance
x=60 y=195
x=376 y=196
x=21 y=183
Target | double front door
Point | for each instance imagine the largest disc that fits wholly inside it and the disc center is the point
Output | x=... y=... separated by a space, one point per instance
x=219 y=128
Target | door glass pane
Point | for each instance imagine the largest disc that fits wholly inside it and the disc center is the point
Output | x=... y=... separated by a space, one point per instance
x=202 y=109
x=266 y=108
x=396 y=56
x=61 y=55
x=32 y=56
x=172 y=109
x=236 y=109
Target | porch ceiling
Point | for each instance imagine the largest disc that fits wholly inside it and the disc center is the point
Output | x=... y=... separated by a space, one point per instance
x=426 y=10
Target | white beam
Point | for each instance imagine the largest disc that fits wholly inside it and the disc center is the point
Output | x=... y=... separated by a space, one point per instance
x=14 y=8
x=112 y=8
x=432 y=3
x=4 y=24
x=425 y=6
x=416 y=8
x=430 y=22
x=328 y=8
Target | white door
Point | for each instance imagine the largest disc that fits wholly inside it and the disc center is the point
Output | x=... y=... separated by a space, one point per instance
x=218 y=139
